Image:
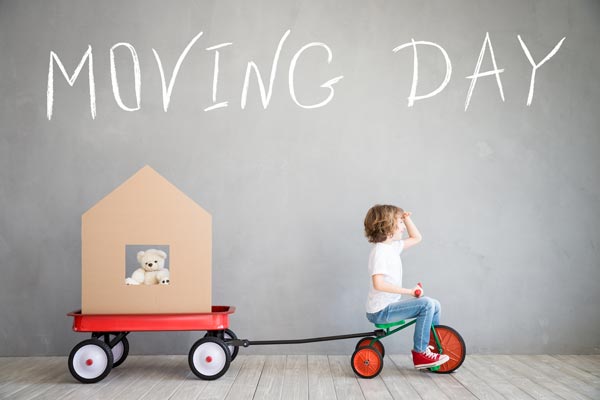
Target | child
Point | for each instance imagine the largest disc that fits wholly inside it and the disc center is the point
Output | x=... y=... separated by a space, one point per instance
x=384 y=225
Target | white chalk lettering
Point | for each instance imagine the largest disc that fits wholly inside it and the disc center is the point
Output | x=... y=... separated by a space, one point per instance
x=536 y=66
x=265 y=97
x=413 y=90
x=477 y=74
x=216 y=78
x=329 y=84
x=266 y=86
x=71 y=80
x=136 y=76
x=167 y=91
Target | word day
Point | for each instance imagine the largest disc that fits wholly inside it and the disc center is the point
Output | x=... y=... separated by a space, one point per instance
x=266 y=90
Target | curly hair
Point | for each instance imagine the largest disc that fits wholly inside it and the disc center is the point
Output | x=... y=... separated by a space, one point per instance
x=381 y=223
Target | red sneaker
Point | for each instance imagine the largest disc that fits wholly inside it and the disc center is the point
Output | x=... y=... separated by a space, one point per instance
x=428 y=359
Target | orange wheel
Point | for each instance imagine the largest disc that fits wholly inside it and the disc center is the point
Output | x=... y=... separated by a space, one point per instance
x=367 y=362
x=367 y=341
x=453 y=346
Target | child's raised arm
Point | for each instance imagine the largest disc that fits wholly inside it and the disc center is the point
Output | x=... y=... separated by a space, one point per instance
x=414 y=236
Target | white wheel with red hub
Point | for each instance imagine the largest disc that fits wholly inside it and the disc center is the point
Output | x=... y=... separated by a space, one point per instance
x=90 y=361
x=209 y=358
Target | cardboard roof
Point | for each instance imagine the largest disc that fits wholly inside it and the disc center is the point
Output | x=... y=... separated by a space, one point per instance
x=146 y=190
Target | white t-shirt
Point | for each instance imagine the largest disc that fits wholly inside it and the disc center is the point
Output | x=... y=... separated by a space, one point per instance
x=384 y=259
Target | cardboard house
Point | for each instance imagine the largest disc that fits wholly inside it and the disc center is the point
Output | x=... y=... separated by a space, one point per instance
x=146 y=211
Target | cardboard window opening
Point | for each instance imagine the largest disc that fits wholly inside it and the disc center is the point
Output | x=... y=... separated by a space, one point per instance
x=132 y=264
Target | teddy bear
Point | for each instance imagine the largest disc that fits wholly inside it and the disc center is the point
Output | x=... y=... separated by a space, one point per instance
x=152 y=269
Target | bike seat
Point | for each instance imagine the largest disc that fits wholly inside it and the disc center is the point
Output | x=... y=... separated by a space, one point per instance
x=390 y=325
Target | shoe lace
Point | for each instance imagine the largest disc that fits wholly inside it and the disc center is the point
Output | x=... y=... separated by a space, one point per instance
x=429 y=354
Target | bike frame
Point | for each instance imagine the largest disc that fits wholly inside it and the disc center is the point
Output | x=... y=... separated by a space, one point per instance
x=390 y=331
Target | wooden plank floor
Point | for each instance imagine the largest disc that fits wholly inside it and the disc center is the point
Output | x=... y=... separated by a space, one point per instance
x=309 y=377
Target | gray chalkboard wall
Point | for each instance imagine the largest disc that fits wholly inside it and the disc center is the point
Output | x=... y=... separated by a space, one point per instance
x=506 y=194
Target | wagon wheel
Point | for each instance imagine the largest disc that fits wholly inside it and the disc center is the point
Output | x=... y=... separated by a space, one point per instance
x=367 y=362
x=233 y=350
x=453 y=346
x=120 y=350
x=90 y=361
x=367 y=341
x=226 y=335
x=209 y=358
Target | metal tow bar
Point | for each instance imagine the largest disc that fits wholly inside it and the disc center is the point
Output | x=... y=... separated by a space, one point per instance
x=247 y=343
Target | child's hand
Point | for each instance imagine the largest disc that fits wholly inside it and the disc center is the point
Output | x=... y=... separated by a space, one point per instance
x=406 y=214
x=420 y=293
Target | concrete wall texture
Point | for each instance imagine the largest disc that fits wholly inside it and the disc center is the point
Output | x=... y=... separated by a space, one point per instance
x=506 y=194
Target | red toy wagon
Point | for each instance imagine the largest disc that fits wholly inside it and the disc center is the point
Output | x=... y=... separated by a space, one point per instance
x=91 y=360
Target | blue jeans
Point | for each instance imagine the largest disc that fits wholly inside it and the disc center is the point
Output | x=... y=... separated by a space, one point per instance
x=425 y=309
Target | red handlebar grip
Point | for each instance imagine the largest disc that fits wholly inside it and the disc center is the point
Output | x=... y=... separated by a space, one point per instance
x=418 y=292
